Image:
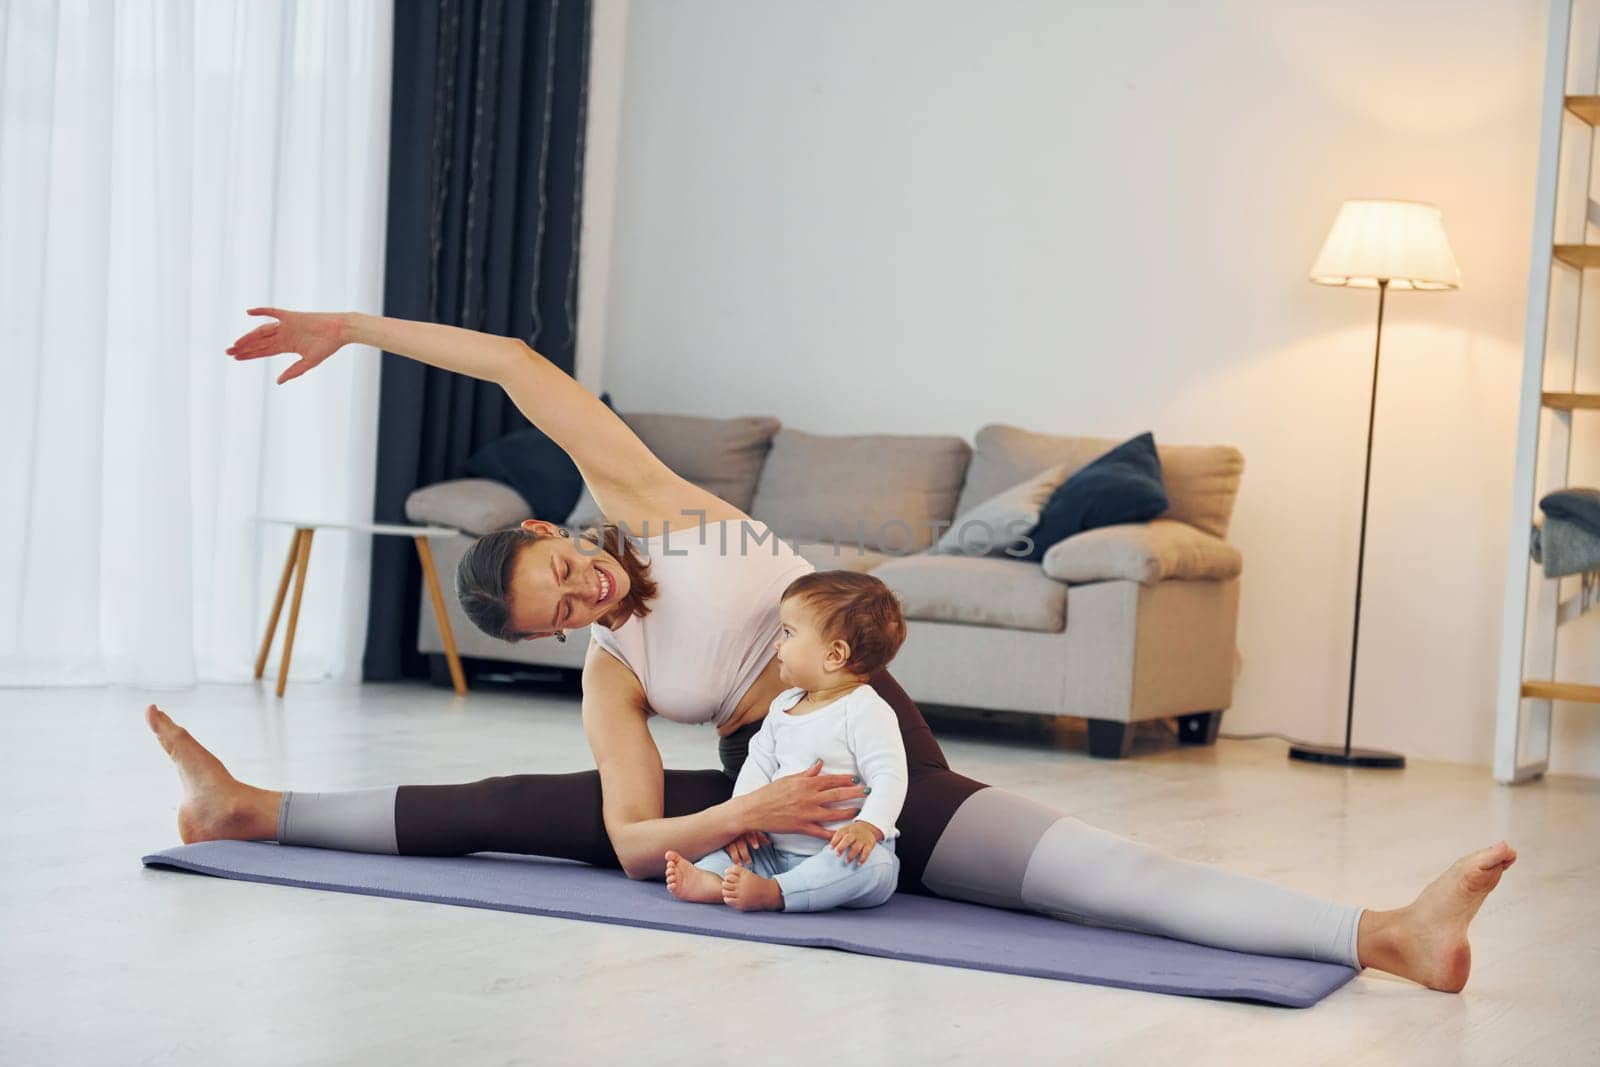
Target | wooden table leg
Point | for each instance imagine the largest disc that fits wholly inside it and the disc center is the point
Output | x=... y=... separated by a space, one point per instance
x=294 y=606
x=277 y=604
x=425 y=553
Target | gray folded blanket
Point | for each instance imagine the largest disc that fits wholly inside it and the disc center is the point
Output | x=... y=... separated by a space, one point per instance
x=1581 y=506
x=1565 y=547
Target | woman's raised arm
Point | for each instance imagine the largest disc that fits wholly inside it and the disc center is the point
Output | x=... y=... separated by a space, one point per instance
x=630 y=484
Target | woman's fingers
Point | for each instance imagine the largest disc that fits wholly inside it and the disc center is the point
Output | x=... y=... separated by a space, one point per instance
x=261 y=341
x=843 y=793
x=824 y=782
x=254 y=343
x=295 y=371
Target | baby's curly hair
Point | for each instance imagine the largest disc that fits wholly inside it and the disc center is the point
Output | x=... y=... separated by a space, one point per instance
x=857 y=609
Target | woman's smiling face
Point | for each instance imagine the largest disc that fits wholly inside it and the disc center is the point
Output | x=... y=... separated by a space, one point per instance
x=556 y=585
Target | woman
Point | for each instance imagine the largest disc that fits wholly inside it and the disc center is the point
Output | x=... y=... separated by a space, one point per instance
x=688 y=634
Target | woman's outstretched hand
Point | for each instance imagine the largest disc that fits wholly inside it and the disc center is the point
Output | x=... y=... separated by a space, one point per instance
x=801 y=803
x=311 y=335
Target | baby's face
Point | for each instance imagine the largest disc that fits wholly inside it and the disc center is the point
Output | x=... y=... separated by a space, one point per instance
x=801 y=649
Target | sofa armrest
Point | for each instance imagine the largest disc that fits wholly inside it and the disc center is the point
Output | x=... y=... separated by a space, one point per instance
x=1142 y=552
x=472 y=505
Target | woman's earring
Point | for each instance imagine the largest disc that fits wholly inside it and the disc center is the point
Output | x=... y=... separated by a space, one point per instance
x=561 y=637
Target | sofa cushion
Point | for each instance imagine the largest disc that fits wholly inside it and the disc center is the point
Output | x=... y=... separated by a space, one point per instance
x=723 y=456
x=1202 y=481
x=535 y=466
x=891 y=493
x=976 y=590
x=840 y=557
x=1124 y=485
x=1144 y=552
x=473 y=505
x=1003 y=520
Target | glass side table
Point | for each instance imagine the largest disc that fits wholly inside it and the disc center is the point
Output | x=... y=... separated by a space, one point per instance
x=300 y=559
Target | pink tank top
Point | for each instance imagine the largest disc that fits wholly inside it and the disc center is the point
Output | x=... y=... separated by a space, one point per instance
x=713 y=621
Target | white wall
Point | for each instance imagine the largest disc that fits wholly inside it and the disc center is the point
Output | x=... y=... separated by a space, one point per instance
x=1099 y=218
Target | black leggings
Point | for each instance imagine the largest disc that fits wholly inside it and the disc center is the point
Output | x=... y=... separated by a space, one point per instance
x=959 y=839
x=559 y=815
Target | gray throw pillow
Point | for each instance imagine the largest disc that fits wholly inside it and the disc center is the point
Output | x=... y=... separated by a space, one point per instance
x=473 y=505
x=1004 y=519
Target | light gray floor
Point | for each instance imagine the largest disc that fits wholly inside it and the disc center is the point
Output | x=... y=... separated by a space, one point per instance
x=105 y=962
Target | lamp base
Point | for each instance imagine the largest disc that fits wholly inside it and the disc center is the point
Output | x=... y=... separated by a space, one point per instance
x=1356 y=757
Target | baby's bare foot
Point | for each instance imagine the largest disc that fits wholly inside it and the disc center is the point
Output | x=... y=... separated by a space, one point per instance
x=746 y=890
x=216 y=806
x=1427 y=940
x=690 y=883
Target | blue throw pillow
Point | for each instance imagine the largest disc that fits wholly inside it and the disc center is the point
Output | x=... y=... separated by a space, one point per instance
x=536 y=467
x=1124 y=485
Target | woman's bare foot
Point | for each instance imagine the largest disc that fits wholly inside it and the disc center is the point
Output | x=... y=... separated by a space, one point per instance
x=690 y=883
x=746 y=890
x=216 y=806
x=1426 y=941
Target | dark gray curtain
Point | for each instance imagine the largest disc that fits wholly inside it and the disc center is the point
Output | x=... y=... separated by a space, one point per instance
x=485 y=180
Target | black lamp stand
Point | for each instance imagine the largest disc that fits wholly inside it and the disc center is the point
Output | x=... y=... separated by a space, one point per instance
x=1347 y=756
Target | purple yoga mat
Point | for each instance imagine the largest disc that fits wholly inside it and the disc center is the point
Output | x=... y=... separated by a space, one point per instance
x=921 y=929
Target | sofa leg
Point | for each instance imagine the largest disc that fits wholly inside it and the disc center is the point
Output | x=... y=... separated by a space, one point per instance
x=1109 y=739
x=1199 y=728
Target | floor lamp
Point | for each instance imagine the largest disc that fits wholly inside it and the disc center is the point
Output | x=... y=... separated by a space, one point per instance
x=1382 y=245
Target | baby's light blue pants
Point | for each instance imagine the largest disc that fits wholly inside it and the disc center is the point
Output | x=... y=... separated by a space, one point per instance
x=821 y=881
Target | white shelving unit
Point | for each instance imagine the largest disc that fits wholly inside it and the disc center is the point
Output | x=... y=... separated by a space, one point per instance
x=1565 y=213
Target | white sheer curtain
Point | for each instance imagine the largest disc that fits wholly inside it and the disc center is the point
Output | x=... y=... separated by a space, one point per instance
x=163 y=166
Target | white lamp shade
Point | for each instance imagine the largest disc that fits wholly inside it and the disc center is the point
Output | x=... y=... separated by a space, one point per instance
x=1398 y=240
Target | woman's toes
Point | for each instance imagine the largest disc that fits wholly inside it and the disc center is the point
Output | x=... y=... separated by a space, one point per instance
x=1500 y=854
x=1485 y=867
x=162 y=726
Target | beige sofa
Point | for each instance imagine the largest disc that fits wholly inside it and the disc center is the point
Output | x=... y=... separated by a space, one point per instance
x=1117 y=625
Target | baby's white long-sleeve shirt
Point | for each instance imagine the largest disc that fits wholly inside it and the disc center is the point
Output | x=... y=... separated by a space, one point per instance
x=857 y=734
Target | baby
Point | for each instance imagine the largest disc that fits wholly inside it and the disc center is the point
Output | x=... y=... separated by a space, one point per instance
x=838 y=629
